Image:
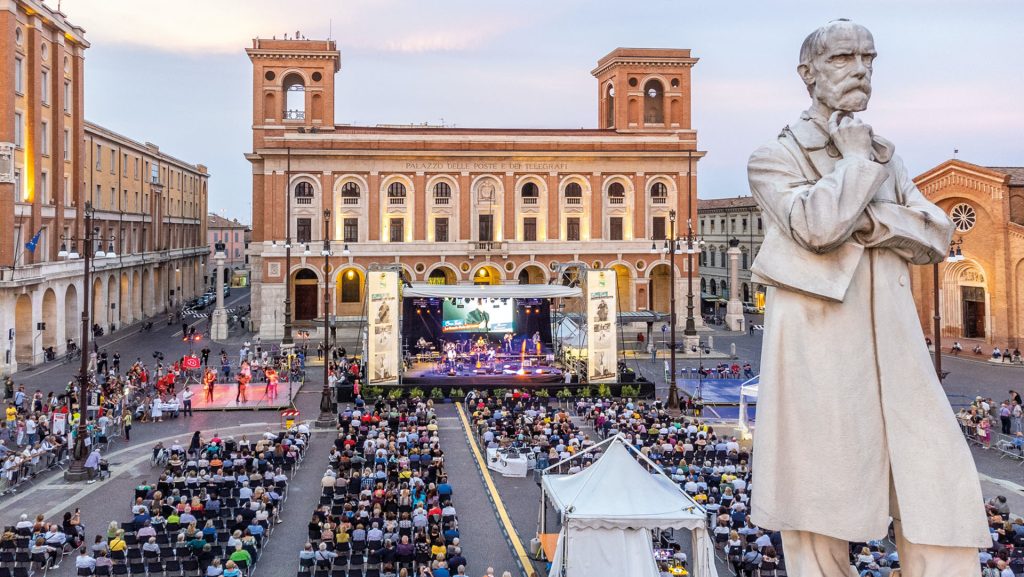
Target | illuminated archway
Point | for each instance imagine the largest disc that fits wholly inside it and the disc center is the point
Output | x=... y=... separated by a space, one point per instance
x=349 y=288
x=487 y=274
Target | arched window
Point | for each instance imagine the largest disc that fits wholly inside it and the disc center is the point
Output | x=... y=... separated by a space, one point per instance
x=295 y=97
x=724 y=287
x=350 y=190
x=303 y=190
x=530 y=190
x=442 y=190
x=654 y=102
x=703 y=285
x=616 y=190
x=573 y=190
x=396 y=190
x=713 y=287
x=659 y=190
x=609 y=107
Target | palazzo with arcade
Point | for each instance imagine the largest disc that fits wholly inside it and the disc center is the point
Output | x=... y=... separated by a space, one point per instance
x=463 y=206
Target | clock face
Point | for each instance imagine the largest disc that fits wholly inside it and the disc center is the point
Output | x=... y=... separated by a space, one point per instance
x=963 y=217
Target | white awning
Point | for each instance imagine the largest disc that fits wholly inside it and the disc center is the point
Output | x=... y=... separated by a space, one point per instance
x=491 y=291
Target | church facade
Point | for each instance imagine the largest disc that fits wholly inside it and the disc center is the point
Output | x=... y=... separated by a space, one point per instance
x=981 y=296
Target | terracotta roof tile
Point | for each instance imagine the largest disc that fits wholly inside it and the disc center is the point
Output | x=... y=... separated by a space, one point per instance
x=1016 y=173
x=723 y=203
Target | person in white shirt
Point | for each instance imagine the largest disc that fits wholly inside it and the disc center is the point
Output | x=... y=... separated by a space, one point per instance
x=84 y=560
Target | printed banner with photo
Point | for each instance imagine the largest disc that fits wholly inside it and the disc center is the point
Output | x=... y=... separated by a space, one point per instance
x=383 y=327
x=602 y=326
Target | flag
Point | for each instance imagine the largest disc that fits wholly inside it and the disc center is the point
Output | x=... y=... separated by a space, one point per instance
x=31 y=245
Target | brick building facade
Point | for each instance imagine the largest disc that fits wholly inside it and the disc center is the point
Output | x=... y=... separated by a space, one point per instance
x=981 y=296
x=149 y=207
x=463 y=205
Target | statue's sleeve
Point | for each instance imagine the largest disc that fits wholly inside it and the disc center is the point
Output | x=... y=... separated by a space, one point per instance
x=915 y=229
x=819 y=216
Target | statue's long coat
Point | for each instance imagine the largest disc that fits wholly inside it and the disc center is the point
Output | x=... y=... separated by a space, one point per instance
x=849 y=402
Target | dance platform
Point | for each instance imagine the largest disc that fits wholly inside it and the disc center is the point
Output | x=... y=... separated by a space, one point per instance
x=224 y=395
x=500 y=374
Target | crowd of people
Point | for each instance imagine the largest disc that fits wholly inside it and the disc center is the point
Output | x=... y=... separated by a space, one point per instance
x=386 y=504
x=985 y=421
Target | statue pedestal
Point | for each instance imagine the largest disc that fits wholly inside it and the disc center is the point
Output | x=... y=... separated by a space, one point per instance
x=219 y=326
x=734 y=319
x=690 y=342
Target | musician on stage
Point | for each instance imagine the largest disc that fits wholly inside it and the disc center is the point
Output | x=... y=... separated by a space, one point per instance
x=508 y=343
x=536 y=341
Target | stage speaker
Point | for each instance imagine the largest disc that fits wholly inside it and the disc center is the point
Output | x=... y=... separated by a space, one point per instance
x=627 y=377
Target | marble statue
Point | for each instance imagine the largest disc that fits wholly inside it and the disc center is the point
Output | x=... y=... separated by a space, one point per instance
x=853 y=426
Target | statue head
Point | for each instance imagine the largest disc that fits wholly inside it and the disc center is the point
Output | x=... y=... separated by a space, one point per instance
x=835 y=64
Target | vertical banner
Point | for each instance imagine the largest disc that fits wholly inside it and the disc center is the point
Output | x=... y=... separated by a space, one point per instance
x=602 y=326
x=383 y=327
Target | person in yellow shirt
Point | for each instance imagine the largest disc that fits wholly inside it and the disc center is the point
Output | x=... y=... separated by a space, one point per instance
x=118 y=543
x=12 y=414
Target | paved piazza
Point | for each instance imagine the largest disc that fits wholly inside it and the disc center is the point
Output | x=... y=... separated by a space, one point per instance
x=481 y=528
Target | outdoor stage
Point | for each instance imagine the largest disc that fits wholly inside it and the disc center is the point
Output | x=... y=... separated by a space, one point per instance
x=504 y=374
x=224 y=397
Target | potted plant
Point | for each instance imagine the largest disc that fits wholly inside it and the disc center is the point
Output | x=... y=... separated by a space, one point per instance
x=499 y=393
x=604 y=391
x=395 y=393
x=565 y=393
x=542 y=393
x=372 y=393
x=416 y=393
x=585 y=392
x=436 y=393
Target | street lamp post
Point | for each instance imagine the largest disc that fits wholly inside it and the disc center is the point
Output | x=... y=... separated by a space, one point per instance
x=287 y=338
x=326 y=400
x=76 y=470
x=955 y=255
x=690 y=329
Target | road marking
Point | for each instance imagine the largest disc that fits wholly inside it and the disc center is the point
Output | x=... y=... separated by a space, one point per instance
x=510 y=531
x=1010 y=485
x=202 y=320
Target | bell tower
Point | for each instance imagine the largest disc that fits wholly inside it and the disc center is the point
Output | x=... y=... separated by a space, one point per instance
x=644 y=90
x=293 y=82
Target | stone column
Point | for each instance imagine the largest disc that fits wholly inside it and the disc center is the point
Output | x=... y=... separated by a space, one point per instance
x=219 y=326
x=734 y=319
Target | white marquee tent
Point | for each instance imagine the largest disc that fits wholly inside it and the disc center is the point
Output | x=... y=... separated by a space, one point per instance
x=608 y=511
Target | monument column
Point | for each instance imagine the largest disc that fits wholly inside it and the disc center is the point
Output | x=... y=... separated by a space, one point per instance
x=219 y=326
x=734 y=319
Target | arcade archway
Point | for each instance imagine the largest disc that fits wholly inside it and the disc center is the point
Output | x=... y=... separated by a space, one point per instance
x=487 y=275
x=660 y=293
x=304 y=295
x=23 y=329
x=966 y=309
x=348 y=292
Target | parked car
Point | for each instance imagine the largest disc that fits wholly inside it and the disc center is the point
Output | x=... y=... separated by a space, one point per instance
x=751 y=309
x=227 y=291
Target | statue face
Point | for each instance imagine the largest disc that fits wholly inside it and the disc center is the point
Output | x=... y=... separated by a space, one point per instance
x=841 y=75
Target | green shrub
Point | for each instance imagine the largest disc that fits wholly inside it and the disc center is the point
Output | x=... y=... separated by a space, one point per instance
x=585 y=392
x=603 y=390
x=456 y=394
x=395 y=393
x=373 y=392
x=436 y=393
x=499 y=393
x=543 y=393
x=416 y=393
x=630 y=390
x=565 y=393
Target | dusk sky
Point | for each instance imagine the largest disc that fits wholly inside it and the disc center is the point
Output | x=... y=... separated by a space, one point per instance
x=948 y=75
